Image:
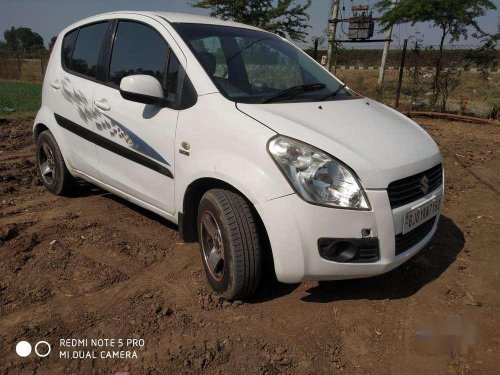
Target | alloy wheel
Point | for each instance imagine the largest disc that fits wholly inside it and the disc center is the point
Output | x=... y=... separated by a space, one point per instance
x=46 y=164
x=212 y=245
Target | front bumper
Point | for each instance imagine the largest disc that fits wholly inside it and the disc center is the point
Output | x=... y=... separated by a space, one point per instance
x=294 y=227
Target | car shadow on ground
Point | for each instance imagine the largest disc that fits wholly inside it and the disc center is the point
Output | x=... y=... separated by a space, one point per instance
x=402 y=282
x=86 y=189
x=149 y=214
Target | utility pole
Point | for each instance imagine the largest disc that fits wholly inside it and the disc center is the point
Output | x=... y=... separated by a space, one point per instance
x=315 y=53
x=387 y=44
x=332 y=31
x=401 y=70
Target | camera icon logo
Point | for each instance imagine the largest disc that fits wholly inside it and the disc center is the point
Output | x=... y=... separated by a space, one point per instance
x=42 y=349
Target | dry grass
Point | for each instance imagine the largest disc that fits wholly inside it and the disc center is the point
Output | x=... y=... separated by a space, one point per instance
x=31 y=70
x=481 y=93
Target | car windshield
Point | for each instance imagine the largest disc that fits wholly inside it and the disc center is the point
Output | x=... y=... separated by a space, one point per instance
x=251 y=66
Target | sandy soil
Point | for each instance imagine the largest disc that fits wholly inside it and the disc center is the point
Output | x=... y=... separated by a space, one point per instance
x=95 y=266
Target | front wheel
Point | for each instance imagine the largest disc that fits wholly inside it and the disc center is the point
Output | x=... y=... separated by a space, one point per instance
x=229 y=243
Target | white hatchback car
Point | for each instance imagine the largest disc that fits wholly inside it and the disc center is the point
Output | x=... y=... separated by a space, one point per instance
x=242 y=140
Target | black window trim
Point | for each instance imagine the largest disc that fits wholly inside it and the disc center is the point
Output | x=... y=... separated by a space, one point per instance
x=100 y=56
x=105 y=55
x=104 y=59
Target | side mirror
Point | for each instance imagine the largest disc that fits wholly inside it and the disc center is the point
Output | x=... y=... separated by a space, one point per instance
x=142 y=88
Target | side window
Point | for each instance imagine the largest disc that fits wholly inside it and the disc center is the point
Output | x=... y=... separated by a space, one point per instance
x=138 y=49
x=88 y=44
x=67 y=47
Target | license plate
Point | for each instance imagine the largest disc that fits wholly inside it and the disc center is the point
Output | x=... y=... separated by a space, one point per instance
x=421 y=214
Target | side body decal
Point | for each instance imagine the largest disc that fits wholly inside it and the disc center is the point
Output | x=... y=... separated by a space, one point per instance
x=106 y=124
x=112 y=146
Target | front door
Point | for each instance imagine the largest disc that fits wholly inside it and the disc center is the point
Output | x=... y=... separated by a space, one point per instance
x=137 y=155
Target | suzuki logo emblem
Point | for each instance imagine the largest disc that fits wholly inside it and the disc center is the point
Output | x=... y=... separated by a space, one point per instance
x=424 y=184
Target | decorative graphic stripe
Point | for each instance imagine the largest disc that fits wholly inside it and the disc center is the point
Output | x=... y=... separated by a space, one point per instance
x=135 y=142
x=112 y=146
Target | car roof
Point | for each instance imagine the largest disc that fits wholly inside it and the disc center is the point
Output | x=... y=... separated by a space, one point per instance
x=184 y=18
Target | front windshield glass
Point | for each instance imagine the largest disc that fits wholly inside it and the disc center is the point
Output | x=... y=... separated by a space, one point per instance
x=251 y=66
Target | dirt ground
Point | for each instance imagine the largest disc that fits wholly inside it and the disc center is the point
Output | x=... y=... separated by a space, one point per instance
x=95 y=266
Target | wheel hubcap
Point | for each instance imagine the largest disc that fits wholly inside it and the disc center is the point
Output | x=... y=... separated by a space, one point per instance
x=46 y=164
x=212 y=246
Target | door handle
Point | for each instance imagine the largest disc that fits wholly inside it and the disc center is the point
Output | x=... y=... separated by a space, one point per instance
x=102 y=104
x=55 y=84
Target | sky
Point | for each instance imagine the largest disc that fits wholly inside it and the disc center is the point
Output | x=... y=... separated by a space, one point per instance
x=48 y=17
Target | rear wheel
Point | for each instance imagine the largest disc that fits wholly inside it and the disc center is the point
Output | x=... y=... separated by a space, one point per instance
x=229 y=243
x=51 y=167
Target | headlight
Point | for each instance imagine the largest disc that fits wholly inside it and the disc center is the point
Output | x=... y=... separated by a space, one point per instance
x=316 y=176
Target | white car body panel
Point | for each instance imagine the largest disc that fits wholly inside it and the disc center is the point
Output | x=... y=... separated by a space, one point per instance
x=381 y=143
x=228 y=142
x=291 y=221
x=227 y=145
x=152 y=133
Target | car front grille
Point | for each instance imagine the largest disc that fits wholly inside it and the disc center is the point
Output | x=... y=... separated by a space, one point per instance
x=407 y=240
x=411 y=188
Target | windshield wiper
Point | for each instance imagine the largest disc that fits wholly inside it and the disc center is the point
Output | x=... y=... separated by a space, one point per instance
x=295 y=90
x=333 y=94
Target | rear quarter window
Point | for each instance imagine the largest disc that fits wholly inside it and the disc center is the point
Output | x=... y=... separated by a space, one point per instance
x=67 y=47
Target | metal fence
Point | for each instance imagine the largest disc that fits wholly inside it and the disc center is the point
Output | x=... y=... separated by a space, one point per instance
x=426 y=55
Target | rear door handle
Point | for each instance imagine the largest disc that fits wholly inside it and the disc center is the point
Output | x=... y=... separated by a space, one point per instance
x=55 y=84
x=102 y=104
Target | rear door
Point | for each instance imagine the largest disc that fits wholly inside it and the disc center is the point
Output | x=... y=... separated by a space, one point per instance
x=138 y=157
x=74 y=111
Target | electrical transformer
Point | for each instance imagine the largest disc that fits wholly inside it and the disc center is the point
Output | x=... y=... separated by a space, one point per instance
x=361 y=24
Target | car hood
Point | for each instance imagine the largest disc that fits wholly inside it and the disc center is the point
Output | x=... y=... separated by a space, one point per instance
x=380 y=144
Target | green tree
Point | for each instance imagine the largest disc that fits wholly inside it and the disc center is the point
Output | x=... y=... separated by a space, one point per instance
x=52 y=42
x=284 y=17
x=453 y=17
x=22 y=39
x=485 y=57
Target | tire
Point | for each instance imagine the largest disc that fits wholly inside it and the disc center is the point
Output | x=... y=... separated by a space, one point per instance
x=236 y=240
x=51 y=167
